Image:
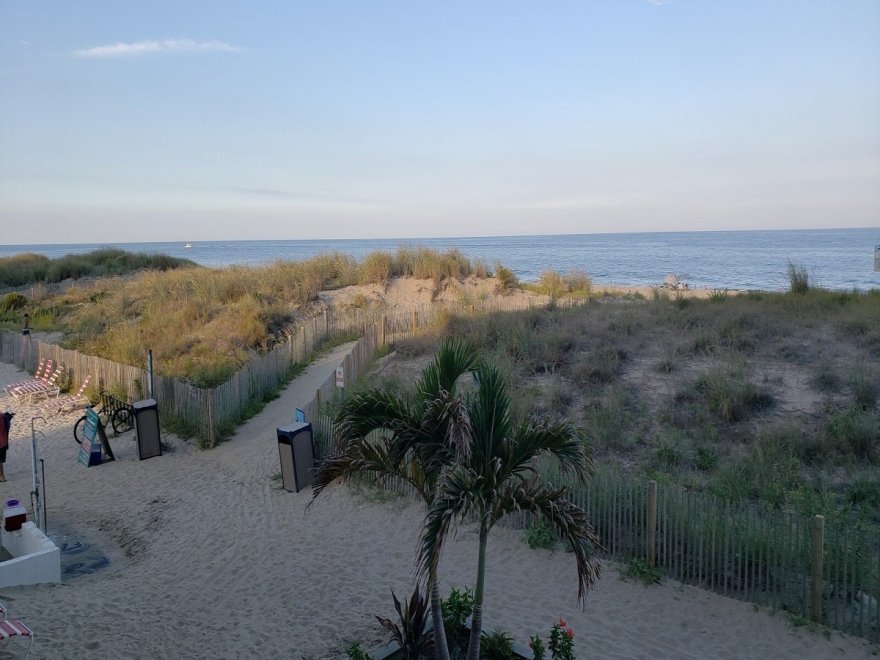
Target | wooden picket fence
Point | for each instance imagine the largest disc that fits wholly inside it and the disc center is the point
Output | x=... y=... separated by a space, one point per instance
x=208 y=414
x=824 y=571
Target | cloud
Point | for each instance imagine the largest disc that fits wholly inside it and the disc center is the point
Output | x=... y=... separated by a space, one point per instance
x=137 y=48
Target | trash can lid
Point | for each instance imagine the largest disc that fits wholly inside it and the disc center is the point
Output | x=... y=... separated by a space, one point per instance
x=145 y=403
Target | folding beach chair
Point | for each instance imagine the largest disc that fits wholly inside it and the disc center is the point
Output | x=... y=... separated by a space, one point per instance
x=10 y=628
x=43 y=371
x=39 y=389
x=69 y=403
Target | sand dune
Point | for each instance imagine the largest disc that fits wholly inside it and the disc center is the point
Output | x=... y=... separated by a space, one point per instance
x=210 y=558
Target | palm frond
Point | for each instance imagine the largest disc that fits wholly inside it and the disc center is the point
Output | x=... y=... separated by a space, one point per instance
x=489 y=409
x=559 y=439
x=368 y=411
x=363 y=456
x=454 y=358
x=569 y=520
x=459 y=495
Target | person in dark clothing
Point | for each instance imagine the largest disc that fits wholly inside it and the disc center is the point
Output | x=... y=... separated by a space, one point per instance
x=26 y=330
x=5 y=423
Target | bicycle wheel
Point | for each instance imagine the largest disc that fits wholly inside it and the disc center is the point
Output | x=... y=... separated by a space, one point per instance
x=79 y=429
x=123 y=421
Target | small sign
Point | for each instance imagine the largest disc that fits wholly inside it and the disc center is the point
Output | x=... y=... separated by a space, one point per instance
x=877 y=258
x=340 y=376
x=299 y=416
x=90 y=448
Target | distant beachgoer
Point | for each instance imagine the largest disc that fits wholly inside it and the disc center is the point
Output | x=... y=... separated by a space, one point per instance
x=26 y=330
x=5 y=423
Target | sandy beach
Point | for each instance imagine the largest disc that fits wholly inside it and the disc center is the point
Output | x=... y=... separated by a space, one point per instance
x=208 y=557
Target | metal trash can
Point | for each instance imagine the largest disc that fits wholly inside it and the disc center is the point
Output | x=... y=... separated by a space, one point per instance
x=146 y=421
x=297 y=454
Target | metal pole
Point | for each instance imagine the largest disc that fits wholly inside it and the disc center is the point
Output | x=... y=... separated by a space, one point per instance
x=150 y=374
x=36 y=493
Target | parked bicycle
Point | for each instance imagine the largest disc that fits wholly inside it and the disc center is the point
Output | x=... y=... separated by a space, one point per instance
x=113 y=412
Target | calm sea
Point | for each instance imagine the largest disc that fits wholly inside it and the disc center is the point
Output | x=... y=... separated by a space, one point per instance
x=837 y=258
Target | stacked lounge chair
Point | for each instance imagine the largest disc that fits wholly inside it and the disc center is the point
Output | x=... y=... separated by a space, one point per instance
x=43 y=371
x=39 y=388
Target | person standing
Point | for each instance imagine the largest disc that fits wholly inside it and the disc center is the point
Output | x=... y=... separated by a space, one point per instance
x=26 y=329
x=5 y=423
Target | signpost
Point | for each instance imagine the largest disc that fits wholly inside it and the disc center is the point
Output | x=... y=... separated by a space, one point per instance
x=340 y=376
x=90 y=447
x=877 y=258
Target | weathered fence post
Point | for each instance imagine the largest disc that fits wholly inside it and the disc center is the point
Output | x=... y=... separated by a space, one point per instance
x=211 y=437
x=415 y=321
x=652 y=520
x=817 y=554
x=150 y=374
x=384 y=330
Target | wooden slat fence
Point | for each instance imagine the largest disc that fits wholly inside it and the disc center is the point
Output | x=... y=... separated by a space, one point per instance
x=742 y=551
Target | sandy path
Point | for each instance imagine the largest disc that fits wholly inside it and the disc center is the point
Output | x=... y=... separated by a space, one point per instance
x=210 y=558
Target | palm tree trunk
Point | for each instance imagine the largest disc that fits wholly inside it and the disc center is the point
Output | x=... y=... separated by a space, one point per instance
x=477 y=619
x=441 y=648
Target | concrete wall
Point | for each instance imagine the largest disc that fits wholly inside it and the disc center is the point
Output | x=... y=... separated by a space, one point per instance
x=35 y=558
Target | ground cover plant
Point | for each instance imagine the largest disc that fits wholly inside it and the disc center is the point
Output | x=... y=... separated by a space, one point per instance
x=768 y=398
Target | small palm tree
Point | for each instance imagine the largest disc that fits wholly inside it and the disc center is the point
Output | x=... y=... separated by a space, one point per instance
x=412 y=438
x=498 y=476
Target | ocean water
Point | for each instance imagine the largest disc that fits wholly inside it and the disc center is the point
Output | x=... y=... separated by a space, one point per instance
x=836 y=258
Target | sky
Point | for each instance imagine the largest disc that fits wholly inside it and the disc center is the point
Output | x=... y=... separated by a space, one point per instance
x=218 y=120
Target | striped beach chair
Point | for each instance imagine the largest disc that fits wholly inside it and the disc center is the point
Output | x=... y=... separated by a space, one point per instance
x=39 y=389
x=12 y=628
x=43 y=371
x=69 y=403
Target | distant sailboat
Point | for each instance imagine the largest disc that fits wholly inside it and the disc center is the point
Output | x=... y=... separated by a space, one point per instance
x=188 y=245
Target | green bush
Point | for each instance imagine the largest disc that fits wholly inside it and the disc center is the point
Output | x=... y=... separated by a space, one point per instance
x=497 y=645
x=540 y=534
x=507 y=280
x=12 y=301
x=639 y=569
x=864 y=383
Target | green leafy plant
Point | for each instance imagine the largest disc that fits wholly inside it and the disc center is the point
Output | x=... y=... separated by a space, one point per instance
x=456 y=610
x=412 y=633
x=639 y=569
x=798 y=279
x=496 y=645
x=356 y=652
x=561 y=641
x=537 y=646
x=540 y=535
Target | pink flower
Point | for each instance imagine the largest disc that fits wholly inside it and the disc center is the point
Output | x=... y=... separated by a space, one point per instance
x=562 y=622
x=569 y=632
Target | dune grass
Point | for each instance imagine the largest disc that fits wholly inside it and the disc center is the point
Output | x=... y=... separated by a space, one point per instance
x=202 y=324
x=28 y=268
x=767 y=397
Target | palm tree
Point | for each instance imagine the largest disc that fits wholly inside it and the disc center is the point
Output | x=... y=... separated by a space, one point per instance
x=498 y=477
x=412 y=438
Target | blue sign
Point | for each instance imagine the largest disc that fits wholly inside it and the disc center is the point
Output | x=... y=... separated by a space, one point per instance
x=90 y=448
x=300 y=416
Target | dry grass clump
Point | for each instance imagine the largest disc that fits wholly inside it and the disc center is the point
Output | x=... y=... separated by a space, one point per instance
x=574 y=284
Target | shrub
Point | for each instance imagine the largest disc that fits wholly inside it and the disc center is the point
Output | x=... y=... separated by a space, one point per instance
x=12 y=301
x=561 y=641
x=540 y=534
x=411 y=633
x=354 y=650
x=853 y=431
x=537 y=646
x=496 y=645
x=706 y=458
x=639 y=569
x=798 y=279
x=507 y=280
x=456 y=610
